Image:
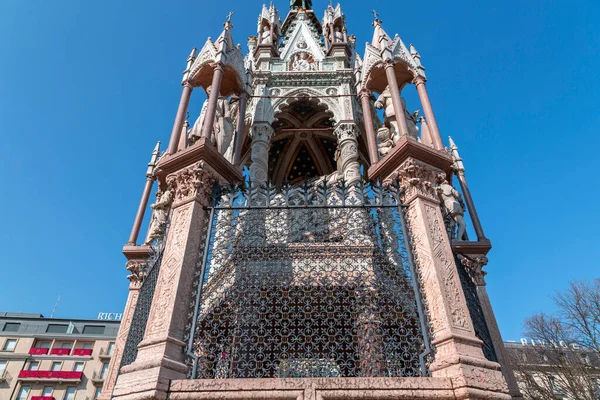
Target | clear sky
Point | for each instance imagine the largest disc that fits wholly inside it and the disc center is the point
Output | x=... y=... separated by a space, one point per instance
x=88 y=87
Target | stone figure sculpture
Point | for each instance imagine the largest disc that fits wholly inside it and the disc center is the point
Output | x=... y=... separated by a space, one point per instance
x=160 y=215
x=266 y=36
x=386 y=144
x=411 y=120
x=301 y=63
x=384 y=101
x=222 y=128
x=296 y=4
x=452 y=204
x=338 y=35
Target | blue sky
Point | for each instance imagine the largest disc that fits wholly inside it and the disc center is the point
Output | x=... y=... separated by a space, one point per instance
x=87 y=88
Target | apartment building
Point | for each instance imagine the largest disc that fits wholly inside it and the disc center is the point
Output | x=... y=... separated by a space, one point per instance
x=53 y=359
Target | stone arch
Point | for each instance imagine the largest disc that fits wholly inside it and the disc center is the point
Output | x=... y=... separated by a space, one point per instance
x=311 y=94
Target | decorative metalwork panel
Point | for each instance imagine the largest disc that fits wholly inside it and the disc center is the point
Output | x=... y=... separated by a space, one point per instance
x=479 y=324
x=142 y=310
x=313 y=280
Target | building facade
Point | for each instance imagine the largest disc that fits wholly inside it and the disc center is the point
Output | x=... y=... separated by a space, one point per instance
x=557 y=371
x=338 y=264
x=53 y=359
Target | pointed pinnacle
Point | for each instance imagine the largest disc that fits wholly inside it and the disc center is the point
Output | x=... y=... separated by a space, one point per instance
x=192 y=54
x=153 y=160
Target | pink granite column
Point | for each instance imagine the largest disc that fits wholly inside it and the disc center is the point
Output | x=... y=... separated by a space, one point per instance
x=137 y=224
x=368 y=117
x=241 y=126
x=161 y=355
x=459 y=353
x=179 y=118
x=428 y=111
x=137 y=268
x=209 y=118
x=395 y=92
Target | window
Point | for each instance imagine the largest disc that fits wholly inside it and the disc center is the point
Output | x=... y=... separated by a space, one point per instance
x=93 y=329
x=23 y=393
x=69 y=394
x=111 y=348
x=66 y=345
x=34 y=365
x=104 y=371
x=2 y=367
x=97 y=393
x=78 y=367
x=10 y=345
x=586 y=359
x=56 y=366
x=47 y=391
x=57 y=328
x=11 y=327
x=43 y=345
x=88 y=346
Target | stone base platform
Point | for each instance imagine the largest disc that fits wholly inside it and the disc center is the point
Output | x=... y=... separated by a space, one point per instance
x=314 y=389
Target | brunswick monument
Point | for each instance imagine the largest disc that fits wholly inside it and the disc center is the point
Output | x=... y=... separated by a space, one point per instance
x=309 y=237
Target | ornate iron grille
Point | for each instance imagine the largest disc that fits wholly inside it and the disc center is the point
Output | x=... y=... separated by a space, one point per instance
x=314 y=280
x=479 y=323
x=142 y=310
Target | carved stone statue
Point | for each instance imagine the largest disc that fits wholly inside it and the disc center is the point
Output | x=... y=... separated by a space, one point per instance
x=384 y=101
x=338 y=35
x=302 y=63
x=222 y=128
x=338 y=174
x=452 y=204
x=296 y=4
x=266 y=36
x=411 y=120
x=386 y=144
x=160 y=215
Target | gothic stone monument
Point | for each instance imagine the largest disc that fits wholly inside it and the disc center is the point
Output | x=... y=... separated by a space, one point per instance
x=303 y=244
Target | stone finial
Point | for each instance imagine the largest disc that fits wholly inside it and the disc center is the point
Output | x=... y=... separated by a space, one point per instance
x=190 y=61
x=458 y=163
x=153 y=160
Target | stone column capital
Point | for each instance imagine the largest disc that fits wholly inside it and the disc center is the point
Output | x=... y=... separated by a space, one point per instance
x=346 y=131
x=419 y=80
x=474 y=264
x=195 y=182
x=418 y=180
x=138 y=270
x=219 y=66
x=261 y=131
x=365 y=93
x=187 y=84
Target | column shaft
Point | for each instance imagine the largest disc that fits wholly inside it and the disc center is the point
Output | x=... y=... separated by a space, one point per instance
x=395 y=92
x=239 y=139
x=209 y=118
x=428 y=111
x=179 y=118
x=261 y=141
x=470 y=205
x=368 y=117
x=139 y=217
x=347 y=135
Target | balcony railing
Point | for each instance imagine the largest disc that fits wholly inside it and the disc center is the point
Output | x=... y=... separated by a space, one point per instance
x=82 y=352
x=51 y=375
x=42 y=398
x=60 y=352
x=37 y=351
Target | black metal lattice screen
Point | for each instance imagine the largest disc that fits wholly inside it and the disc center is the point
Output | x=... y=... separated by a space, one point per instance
x=309 y=281
x=142 y=310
